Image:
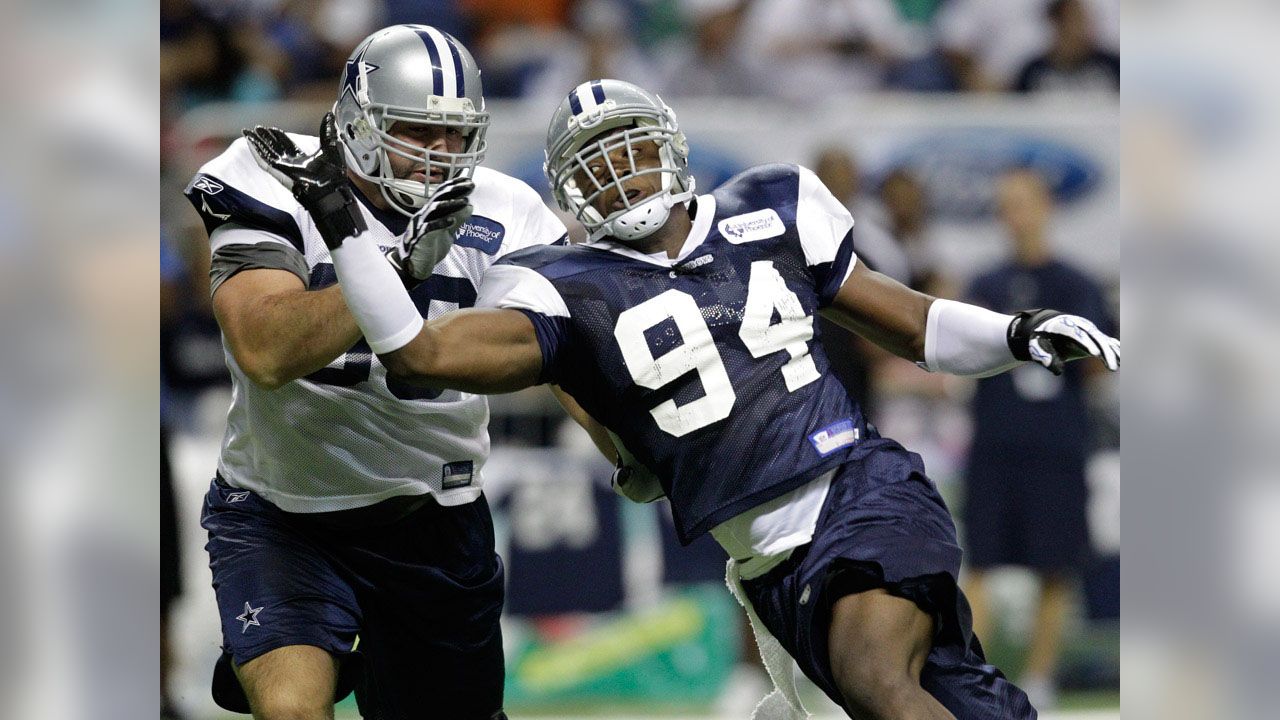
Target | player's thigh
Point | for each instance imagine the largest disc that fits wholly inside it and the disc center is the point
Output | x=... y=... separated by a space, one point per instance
x=877 y=639
x=295 y=682
x=276 y=583
x=431 y=640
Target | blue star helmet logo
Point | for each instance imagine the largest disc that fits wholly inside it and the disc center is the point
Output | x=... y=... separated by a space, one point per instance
x=356 y=67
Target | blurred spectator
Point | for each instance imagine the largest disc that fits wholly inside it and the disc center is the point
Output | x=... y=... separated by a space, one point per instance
x=836 y=167
x=602 y=45
x=852 y=358
x=515 y=39
x=1074 y=62
x=708 y=60
x=446 y=15
x=809 y=49
x=987 y=42
x=1026 y=485
x=907 y=217
x=198 y=59
x=317 y=36
x=191 y=356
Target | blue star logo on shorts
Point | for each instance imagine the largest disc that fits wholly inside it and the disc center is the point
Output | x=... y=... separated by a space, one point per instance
x=249 y=617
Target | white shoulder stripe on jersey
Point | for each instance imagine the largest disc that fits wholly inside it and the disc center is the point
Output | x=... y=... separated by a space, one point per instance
x=821 y=220
x=447 y=68
x=519 y=288
x=233 y=234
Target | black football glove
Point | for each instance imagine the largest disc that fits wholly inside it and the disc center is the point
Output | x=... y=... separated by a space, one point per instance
x=318 y=180
x=1053 y=339
x=431 y=231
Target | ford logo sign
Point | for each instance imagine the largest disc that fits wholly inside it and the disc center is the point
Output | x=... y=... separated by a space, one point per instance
x=959 y=171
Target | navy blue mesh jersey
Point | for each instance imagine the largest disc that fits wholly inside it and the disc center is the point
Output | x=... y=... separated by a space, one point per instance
x=707 y=366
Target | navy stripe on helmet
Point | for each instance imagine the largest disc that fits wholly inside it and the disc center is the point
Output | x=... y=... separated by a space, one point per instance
x=437 y=75
x=574 y=103
x=457 y=63
x=597 y=91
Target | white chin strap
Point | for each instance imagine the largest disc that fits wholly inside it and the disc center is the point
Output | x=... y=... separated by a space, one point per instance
x=640 y=221
x=644 y=219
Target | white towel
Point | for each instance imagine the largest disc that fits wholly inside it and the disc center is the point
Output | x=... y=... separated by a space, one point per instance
x=784 y=702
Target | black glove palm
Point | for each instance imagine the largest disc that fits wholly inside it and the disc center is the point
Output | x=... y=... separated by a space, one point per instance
x=318 y=181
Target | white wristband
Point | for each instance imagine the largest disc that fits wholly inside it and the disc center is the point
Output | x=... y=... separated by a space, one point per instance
x=964 y=339
x=375 y=294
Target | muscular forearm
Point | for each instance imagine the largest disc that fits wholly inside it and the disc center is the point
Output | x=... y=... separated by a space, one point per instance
x=475 y=350
x=282 y=336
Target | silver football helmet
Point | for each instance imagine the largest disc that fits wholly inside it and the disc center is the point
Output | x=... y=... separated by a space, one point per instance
x=417 y=74
x=597 y=118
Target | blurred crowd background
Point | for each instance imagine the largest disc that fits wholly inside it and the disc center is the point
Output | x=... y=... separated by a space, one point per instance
x=977 y=144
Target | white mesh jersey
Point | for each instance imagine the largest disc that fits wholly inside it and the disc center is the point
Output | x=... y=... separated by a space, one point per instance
x=344 y=437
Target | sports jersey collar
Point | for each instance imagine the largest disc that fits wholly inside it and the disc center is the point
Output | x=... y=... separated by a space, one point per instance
x=392 y=220
x=705 y=206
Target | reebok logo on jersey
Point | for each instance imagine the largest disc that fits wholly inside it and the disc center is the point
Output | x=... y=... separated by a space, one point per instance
x=833 y=437
x=482 y=234
x=756 y=225
x=207 y=185
x=456 y=474
x=698 y=262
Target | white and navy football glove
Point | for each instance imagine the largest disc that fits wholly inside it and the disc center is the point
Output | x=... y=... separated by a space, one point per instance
x=431 y=231
x=1053 y=339
x=318 y=181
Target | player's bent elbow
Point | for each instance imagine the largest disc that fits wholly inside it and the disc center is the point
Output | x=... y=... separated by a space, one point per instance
x=262 y=372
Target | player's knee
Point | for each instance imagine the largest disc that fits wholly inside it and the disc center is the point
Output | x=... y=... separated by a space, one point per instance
x=290 y=703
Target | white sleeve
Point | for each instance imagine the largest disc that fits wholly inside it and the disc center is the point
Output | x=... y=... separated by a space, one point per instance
x=375 y=294
x=963 y=339
x=821 y=220
x=824 y=224
x=541 y=226
x=519 y=288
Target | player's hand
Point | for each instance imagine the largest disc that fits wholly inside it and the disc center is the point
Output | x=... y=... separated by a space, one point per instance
x=318 y=181
x=431 y=230
x=1053 y=339
x=631 y=478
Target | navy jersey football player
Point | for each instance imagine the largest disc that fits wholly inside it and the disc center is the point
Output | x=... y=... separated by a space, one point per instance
x=349 y=540
x=685 y=325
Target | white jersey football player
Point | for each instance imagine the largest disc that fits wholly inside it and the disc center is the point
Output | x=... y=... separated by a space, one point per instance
x=318 y=437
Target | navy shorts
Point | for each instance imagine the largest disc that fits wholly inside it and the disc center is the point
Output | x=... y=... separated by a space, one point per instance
x=883 y=525
x=1026 y=508
x=411 y=606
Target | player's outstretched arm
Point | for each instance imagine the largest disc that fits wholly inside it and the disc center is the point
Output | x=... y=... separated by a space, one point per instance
x=882 y=310
x=475 y=350
x=962 y=339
